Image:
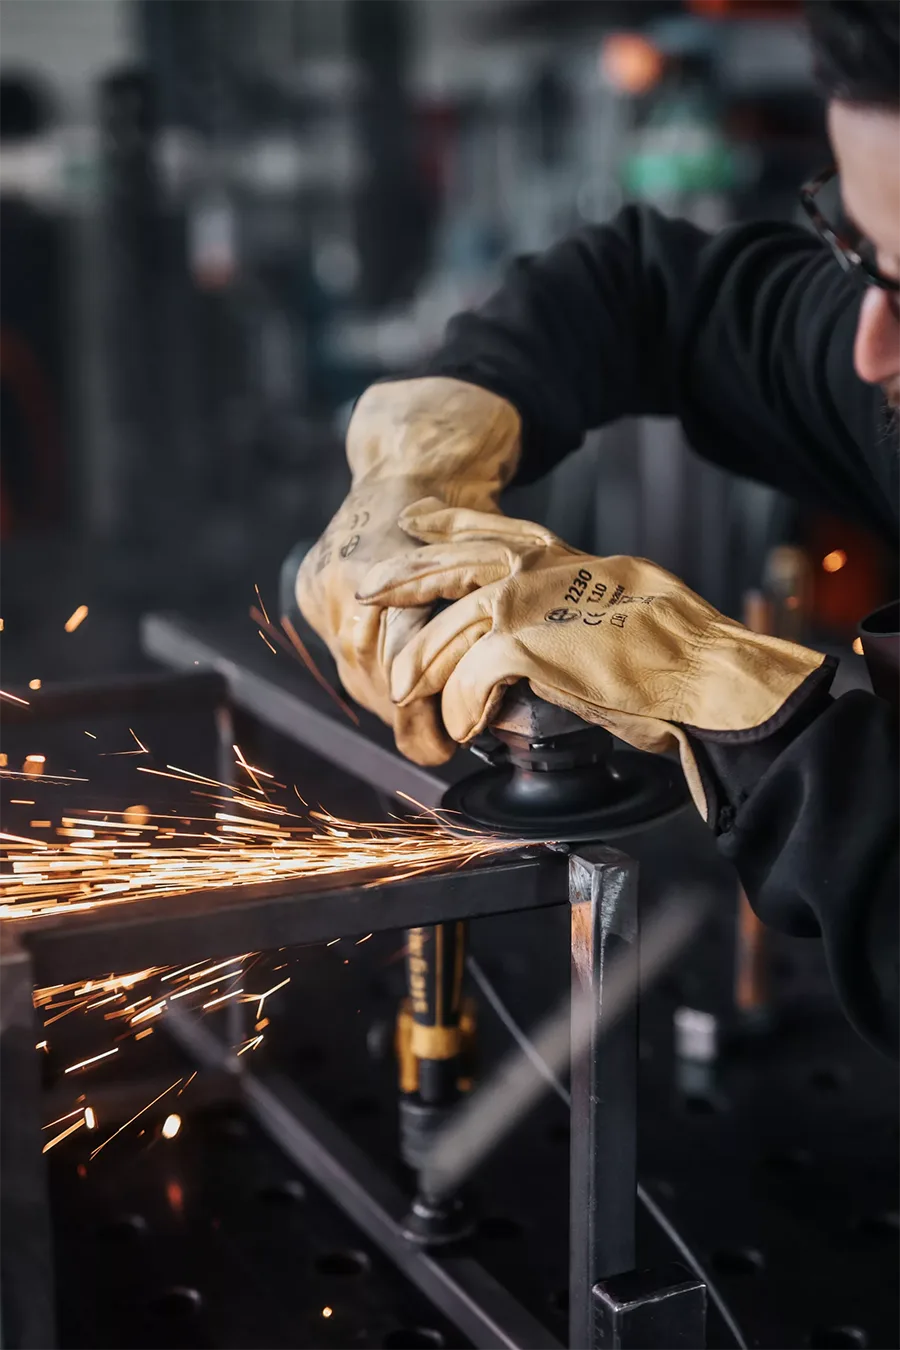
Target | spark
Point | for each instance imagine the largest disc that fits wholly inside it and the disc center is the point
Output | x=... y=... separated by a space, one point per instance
x=171 y=1125
x=263 y=997
x=187 y=1083
x=21 y=801
x=59 y=1119
x=296 y=648
x=363 y=939
x=332 y=942
x=34 y=684
x=267 y=642
x=79 y=873
x=858 y=646
x=221 y=999
x=76 y=618
x=90 y=1119
x=326 y=1311
x=136 y=1115
x=251 y=1044
x=103 y=858
x=42 y=1045
x=261 y=603
x=83 y=1064
x=244 y=765
x=15 y=698
x=64 y=1134
x=91 y=734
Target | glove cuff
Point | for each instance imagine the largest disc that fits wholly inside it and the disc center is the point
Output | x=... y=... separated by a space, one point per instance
x=813 y=689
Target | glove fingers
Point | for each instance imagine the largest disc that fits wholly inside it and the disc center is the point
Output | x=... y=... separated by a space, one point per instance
x=419 y=732
x=421 y=669
x=434 y=572
x=398 y=628
x=432 y=521
x=474 y=689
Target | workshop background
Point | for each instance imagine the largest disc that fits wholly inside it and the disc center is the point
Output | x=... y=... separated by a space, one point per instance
x=219 y=221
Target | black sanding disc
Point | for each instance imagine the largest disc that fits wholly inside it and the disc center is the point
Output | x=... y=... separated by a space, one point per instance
x=639 y=791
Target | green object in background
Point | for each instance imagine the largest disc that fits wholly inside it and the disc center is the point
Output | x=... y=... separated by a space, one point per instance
x=680 y=150
x=664 y=172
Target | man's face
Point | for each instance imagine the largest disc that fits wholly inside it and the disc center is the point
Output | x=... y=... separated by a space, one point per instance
x=866 y=144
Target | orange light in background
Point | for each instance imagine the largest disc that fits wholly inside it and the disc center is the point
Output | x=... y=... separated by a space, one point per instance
x=174 y=1195
x=858 y=646
x=834 y=561
x=136 y=815
x=630 y=63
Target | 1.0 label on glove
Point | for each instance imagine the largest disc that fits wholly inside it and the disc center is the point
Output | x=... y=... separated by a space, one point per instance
x=578 y=588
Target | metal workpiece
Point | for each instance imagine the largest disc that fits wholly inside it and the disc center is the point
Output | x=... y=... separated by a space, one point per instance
x=664 y=1307
x=26 y=1240
x=216 y=923
x=603 y=1164
x=482 y=1309
x=284 y=696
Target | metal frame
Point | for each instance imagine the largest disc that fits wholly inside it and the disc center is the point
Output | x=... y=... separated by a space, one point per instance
x=599 y=884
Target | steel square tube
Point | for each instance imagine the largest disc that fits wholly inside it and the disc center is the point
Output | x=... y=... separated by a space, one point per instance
x=287 y=699
x=214 y=924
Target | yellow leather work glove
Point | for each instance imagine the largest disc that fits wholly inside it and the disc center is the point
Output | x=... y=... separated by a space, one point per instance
x=618 y=641
x=406 y=440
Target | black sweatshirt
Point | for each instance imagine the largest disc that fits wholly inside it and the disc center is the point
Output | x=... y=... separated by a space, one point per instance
x=747 y=337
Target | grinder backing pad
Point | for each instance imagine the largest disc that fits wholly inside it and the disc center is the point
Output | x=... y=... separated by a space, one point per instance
x=628 y=792
x=557 y=778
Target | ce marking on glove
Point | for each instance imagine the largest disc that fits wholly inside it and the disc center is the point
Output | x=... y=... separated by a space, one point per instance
x=591 y=619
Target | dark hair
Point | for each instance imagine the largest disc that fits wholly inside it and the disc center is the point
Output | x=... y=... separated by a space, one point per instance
x=856 y=50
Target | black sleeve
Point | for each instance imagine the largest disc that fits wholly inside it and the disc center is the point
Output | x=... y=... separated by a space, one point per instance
x=746 y=336
x=811 y=823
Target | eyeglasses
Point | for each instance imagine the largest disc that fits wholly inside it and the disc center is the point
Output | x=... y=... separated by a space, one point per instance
x=821 y=200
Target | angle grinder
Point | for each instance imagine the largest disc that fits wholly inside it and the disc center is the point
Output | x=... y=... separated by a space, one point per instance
x=550 y=776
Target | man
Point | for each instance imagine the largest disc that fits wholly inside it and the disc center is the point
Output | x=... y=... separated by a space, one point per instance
x=780 y=365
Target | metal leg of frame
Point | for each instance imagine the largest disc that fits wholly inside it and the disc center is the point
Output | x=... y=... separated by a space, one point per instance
x=603 y=893
x=612 y=1306
x=664 y=1308
x=26 y=1243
